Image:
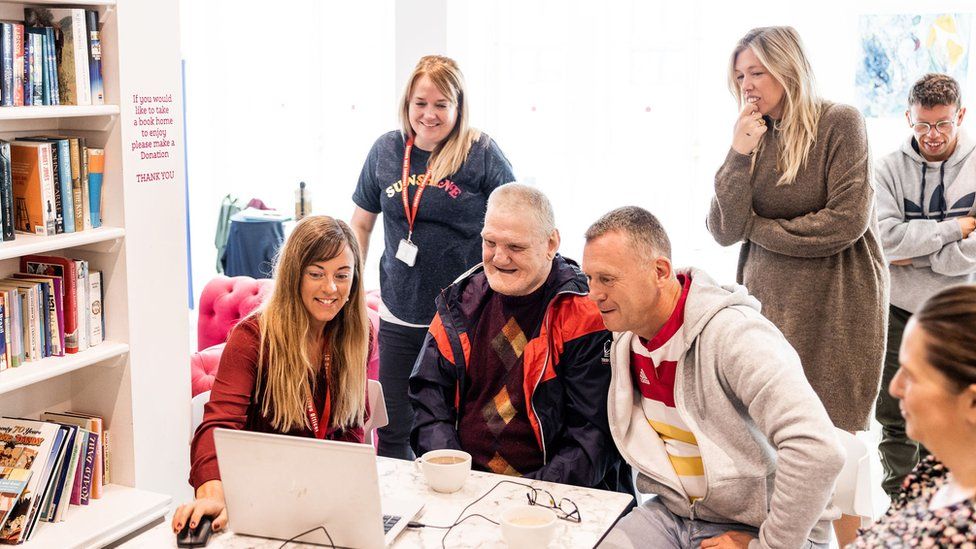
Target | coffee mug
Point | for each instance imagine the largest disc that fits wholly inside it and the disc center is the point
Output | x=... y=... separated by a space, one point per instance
x=528 y=526
x=445 y=470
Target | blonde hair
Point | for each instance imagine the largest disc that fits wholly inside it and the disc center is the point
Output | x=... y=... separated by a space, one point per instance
x=780 y=50
x=286 y=376
x=448 y=156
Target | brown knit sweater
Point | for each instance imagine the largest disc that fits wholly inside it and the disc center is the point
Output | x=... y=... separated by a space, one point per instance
x=810 y=253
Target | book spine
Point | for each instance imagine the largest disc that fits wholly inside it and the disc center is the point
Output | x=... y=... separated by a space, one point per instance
x=75 y=144
x=18 y=64
x=53 y=65
x=47 y=188
x=106 y=458
x=67 y=198
x=95 y=58
x=56 y=169
x=95 y=335
x=85 y=191
x=4 y=351
x=80 y=467
x=81 y=286
x=79 y=30
x=96 y=177
x=7 y=62
x=88 y=478
x=7 y=329
x=6 y=193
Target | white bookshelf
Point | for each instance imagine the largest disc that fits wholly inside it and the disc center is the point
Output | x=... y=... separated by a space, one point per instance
x=138 y=378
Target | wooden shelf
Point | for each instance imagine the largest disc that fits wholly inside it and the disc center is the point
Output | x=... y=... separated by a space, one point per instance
x=56 y=111
x=101 y=239
x=120 y=511
x=29 y=373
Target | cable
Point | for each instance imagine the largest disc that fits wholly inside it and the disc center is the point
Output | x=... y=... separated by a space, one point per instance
x=324 y=529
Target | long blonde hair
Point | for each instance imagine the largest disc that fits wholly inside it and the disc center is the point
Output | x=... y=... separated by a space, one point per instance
x=448 y=156
x=780 y=50
x=284 y=368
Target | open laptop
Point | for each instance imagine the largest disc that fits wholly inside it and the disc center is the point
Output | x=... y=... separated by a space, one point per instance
x=278 y=486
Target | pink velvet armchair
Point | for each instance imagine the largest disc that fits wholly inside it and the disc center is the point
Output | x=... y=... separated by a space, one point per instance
x=223 y=303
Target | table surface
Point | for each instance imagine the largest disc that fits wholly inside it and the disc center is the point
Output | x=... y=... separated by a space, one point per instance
x=402 y=479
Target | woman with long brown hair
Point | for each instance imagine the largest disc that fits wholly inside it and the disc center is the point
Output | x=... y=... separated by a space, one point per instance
x=431 y=180
x=297 y=365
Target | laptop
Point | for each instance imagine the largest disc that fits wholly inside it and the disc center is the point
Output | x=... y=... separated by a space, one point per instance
x=278 y=486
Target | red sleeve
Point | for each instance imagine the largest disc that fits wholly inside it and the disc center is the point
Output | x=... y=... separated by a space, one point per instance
x=230 y=398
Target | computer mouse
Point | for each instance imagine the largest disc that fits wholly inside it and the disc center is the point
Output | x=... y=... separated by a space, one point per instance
x=196 y=537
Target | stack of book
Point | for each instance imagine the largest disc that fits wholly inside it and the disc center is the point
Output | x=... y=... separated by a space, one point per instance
x=52 y=57
x=47 y=465
x=50 y=185
x=52 y=307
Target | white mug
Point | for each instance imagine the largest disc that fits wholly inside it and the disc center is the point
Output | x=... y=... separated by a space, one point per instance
x=445 y=470
x=528 y=526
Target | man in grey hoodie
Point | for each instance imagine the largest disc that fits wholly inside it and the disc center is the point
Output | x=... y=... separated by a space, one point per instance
x=926 y=192
x=708 y=402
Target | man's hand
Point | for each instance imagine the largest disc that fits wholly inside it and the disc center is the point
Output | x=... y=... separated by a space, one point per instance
x=967 y=224
x=902 y=262
x=729 y=540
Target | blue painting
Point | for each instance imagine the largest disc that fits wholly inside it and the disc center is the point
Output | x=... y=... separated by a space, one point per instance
x=896 y=50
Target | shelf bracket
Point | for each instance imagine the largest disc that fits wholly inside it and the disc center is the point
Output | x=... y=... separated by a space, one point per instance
x=109 y=122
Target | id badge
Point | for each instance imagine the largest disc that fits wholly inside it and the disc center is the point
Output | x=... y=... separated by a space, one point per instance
x=407 y=252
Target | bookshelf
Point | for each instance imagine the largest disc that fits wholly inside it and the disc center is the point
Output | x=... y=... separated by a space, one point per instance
x=138 y=378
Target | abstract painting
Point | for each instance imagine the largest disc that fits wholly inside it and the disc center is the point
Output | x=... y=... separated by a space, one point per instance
x=898 y=49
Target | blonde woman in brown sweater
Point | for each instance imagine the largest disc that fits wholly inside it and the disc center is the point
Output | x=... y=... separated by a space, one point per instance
x=796 y=190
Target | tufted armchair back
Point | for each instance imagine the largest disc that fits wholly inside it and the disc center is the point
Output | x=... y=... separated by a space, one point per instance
x=224 y=301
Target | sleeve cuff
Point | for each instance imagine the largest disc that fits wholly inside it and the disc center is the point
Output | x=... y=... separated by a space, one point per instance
x=950 y=231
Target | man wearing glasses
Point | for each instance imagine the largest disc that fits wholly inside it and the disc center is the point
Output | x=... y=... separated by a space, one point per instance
x=926 y=193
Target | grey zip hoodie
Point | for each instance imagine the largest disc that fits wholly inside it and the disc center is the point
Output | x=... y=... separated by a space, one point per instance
x=769 y=450
x=918 y=206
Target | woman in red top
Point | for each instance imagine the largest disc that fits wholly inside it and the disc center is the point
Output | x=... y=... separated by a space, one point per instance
x=300 y=357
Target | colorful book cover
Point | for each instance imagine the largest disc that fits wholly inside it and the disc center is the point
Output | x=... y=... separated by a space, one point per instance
x=96 y=172
x=26 y=444
x=7 y=329
x=95 y=425
x=59 y=473
x=15 y=338
x=4 y=353
x=85 y=200
x=53 y=63
x=58 y=164
x=83 y=435
x=67 y=201
x=63 y=499
x=12 y=483
x=95 y=58
x=55 y=305
x=30 y=167
x=66 y=269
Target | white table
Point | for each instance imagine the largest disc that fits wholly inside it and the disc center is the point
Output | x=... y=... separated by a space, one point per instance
x=599 y=509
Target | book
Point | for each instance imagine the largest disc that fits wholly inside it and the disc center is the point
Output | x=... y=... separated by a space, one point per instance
x=76 y=147
x=39 y=65
x=93 y=424
x=64 y=498
x=13 y=480
x=4 y=352
x=66 y=269
x=27 y=445
x=95 y=58
x=59 y=473
x=55 y=304
x=86 y=205
x=96 y=172
x=70 y=47
x=18 y=63
x=95 y=334
x=61 y=168
x=83 y=435
x=30 y=167
x=82 y=287
x=6 y=193
x=7 y=331
x=7 y=64
x=11 y=319
x=49 y=44
x=49 y=472
x=27 y=317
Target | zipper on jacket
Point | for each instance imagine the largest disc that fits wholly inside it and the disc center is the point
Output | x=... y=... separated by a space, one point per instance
x=547 y=322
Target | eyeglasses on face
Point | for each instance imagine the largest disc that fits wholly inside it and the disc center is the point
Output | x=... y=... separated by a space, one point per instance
x=565 y=510
x=942 y=126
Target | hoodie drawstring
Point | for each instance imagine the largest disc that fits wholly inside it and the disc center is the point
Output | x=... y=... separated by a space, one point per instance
x=921 y=199
x=943 y=206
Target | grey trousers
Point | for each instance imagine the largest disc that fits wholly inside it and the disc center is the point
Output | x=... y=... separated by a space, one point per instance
x=653 y=525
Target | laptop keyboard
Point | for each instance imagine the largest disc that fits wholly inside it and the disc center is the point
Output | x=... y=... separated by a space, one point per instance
x=389 y=521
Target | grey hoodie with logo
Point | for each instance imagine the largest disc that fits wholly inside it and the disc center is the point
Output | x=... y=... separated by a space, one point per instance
x=919 y=203
x=768 y=448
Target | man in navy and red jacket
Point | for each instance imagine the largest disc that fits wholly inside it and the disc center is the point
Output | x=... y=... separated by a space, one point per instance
x=514 y=369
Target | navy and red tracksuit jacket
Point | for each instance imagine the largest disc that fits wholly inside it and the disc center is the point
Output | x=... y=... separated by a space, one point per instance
x=566 y=379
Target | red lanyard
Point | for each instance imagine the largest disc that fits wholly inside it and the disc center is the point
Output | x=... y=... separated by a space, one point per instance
x=421 y=185
x=322 y=429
